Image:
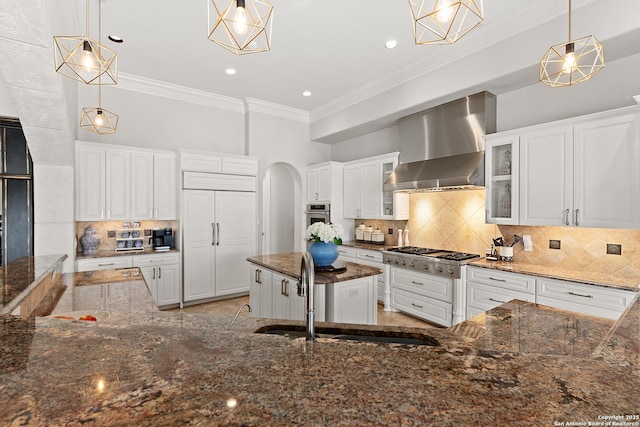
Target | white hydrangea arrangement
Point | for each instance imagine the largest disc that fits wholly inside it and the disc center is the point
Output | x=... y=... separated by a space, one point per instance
x=322 y=232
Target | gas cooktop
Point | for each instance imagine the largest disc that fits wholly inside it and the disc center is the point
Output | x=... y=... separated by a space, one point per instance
x=427 y=260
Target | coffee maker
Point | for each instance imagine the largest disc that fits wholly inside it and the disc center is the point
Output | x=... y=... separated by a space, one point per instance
x=162 y=239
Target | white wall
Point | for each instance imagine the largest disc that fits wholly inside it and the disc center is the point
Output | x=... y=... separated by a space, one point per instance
x=7 y=108
x=372 y=144
x=160 y=122
x=275 y=139
x=283 y=211
x=53 y=202
x=613 y=87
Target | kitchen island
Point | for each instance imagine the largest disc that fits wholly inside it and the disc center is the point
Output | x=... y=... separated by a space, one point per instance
x=347 y=295
x=519 y=364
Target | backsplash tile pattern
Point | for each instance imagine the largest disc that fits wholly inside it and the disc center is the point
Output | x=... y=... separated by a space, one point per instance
x=109 y=244
x=456 y=221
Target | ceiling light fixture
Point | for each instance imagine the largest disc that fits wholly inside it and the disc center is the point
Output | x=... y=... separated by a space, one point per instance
x=230 y=71
x=306 y=93
x=243 y=27
x=572 y=62
x=83 y=59
x=444 y=21
x=97 y=119
x=391 y=44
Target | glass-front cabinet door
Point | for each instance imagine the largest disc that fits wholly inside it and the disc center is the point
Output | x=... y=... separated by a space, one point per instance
x=501 y=181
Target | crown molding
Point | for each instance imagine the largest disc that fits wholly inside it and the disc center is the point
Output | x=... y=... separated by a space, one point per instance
x=278 y=110
x=179 y=93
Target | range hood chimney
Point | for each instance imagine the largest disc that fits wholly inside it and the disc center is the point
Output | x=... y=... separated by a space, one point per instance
x=443 y=148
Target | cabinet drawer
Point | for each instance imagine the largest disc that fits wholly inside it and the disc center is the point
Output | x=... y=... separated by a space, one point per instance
x=104 y=263
x=154 y=260
x=589 y=299
x=486 y=297
x=374 y=256
x=347 y=251
x=425 y=308
x=515 y=281
x=422 y=284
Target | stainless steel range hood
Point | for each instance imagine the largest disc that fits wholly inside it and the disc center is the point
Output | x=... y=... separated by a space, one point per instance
x=443 y=148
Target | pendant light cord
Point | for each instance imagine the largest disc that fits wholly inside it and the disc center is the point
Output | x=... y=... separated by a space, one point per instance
x=100 y=53
x=569 y=20
x=87 y=20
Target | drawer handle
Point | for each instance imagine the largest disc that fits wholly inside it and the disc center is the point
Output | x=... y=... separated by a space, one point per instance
x=497 y=300
x=417 y=283
x=104 y=265
x=369 y=256
x=497 y=280
x=416 y=305
x=580 y=295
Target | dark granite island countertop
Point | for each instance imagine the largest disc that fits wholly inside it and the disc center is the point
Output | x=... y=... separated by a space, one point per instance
x=150 y=368
x=289 y=265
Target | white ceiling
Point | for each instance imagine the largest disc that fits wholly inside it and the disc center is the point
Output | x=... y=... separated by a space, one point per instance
x=333 y=48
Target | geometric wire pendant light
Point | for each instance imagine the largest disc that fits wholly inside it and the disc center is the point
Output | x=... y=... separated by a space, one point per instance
x=572 y=62
x=97 y=119
x=444 y=21
x=242 y=27
x=82 y=58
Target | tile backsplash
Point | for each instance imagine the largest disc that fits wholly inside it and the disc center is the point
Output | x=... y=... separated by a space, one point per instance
x=455 y=220
x=109 y=243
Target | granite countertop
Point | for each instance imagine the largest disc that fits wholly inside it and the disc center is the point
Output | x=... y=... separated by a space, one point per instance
x=20 y=276
x=368 y=246
x=289 y=265
x=581 y=276
x=113 y=253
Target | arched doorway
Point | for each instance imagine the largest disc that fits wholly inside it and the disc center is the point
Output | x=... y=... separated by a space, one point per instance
x=281 y=209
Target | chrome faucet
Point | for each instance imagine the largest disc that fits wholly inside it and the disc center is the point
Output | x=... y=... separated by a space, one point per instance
x=237 y=314
x=305 y=288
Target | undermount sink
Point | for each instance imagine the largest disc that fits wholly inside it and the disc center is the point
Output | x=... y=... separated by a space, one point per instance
x=380 y=337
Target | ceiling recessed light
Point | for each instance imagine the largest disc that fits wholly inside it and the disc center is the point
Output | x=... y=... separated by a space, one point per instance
x=306 y=93
x=115 y=39
x=230 y=71
x=391 y=44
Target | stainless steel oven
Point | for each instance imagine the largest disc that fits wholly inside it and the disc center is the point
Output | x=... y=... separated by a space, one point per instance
x=318 y=212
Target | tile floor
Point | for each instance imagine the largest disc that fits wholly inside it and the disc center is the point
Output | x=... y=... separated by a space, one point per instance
x=230 y=307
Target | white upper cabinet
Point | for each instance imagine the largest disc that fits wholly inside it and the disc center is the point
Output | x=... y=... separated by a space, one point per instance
x=546 y=171
x=502 y=179
x=319 y=183
x=154 y=185
x=580 y=172
x=607 y=172
x=364 y=196
x=124 y=184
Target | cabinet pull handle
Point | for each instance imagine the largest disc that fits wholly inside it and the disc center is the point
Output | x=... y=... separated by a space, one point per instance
x=284 y=287
x=217 y=234
x=577 y=213
x=497 y=280
x=151 y=213
x=256 y=276
x=159 y=272
x=213 y=234
x=156 y=213
x=369 y=256
x=104 y=265
x=566 y=217
x=416 y=305
x=154 y=274
x=580 y=295
x=497 y=300
x=417 y=283
x=108 y=213
x=102 y=213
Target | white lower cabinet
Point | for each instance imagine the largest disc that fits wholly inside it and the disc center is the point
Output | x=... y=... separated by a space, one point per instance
x=105 y=263
x=583 y=298
x=162 y=274
x=488 y=288
x=353 y=301
x=425 y=296
x=260 y=293
x=373 y=259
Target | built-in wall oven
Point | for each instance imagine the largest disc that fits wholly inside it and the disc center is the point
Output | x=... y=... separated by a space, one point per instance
x=318 y=212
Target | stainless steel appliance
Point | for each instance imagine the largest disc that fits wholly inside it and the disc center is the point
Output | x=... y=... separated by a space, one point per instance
x=426 y=260
x=318 y=212
x=162 y=239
